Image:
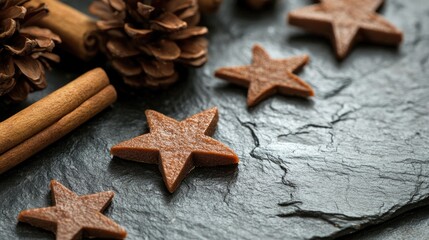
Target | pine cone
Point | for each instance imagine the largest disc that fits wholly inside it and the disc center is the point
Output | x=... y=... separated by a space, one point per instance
x=146 y=39
x=24 y=50
x=258 y=4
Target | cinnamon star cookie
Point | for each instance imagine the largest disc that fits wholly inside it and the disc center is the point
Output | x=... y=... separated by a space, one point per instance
x=75 y=216
x=177 y=147
x=267 y=76
x=346 y=22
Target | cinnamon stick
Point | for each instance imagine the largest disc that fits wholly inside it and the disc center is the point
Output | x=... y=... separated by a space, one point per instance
x=76 y=29
x=65 y=125
x=50 y=109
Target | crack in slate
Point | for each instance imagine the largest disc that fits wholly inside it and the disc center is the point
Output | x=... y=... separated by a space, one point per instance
x=345 y=82
x=250 y=126
x=336 y=91
x=313 y=215
x=290 y=203
x=335 y=219
x=228 y=190
x=341 y=117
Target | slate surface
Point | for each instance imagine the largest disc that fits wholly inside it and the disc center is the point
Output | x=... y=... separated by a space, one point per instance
x=353 y=156
x=411 y=225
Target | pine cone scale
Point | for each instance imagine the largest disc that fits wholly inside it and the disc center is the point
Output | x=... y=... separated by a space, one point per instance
x=188 y=52
x=20 y=46
x=10 y=3
x=188 y=33
x=144 y=10
x=7 y=85
x=7 y=70
x=121 y=49
x=161 y=82
x=19 y=91
x=164 y=50
x=168 y=22
x=41 y=82
x=174 y=6
x=101 y=10
x=109 y=24
x=118 y=5
x=24 y=51
x=8 y=26
x=158 y=34
x=194 y=20
x=188 y=13
x=29 y=67
x=137 y=33
x=158 y=69
x=40 y=33
x=47 y=55
x=126 y=67
x=34 y=14
x=13 y=12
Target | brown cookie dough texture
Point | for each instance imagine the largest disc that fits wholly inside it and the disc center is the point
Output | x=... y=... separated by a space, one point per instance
x=73 y=216
x=266 y=76
x=346 y=22
x=178 y=147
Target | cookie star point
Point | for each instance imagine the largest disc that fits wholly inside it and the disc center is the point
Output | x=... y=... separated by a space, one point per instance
x=73 y=216
x=259 y=55
x=177 y=147
x=266 y=76
x=346 y=22
x=206 y=121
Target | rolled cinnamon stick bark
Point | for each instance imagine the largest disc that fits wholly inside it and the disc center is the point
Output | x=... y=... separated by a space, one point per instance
x=65 y=125
x=77 y=30
x=50 y=109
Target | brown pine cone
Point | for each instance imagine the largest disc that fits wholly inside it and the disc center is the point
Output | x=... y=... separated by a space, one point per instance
x=258 y=4
x=24 y=50
x=146 y=39
x=209 y=6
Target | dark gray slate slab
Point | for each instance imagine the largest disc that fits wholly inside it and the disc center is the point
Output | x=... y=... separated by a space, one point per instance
x=353 y=156
x=411 y=225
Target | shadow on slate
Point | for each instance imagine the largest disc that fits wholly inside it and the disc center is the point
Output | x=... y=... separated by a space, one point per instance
x=410 y=225
x=353 y=156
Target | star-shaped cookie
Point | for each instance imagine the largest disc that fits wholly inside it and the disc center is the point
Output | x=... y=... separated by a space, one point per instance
x=177 y=147
x=346 y=22
x=267 y=76
x=75 y=216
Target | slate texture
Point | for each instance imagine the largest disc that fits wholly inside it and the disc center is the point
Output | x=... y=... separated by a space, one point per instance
x=353 y=156
x=410 y=225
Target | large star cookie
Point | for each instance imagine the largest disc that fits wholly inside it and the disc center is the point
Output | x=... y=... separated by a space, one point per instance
x=267 y=76
x=75 y=216
x=177 y=147
x=345 y=22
